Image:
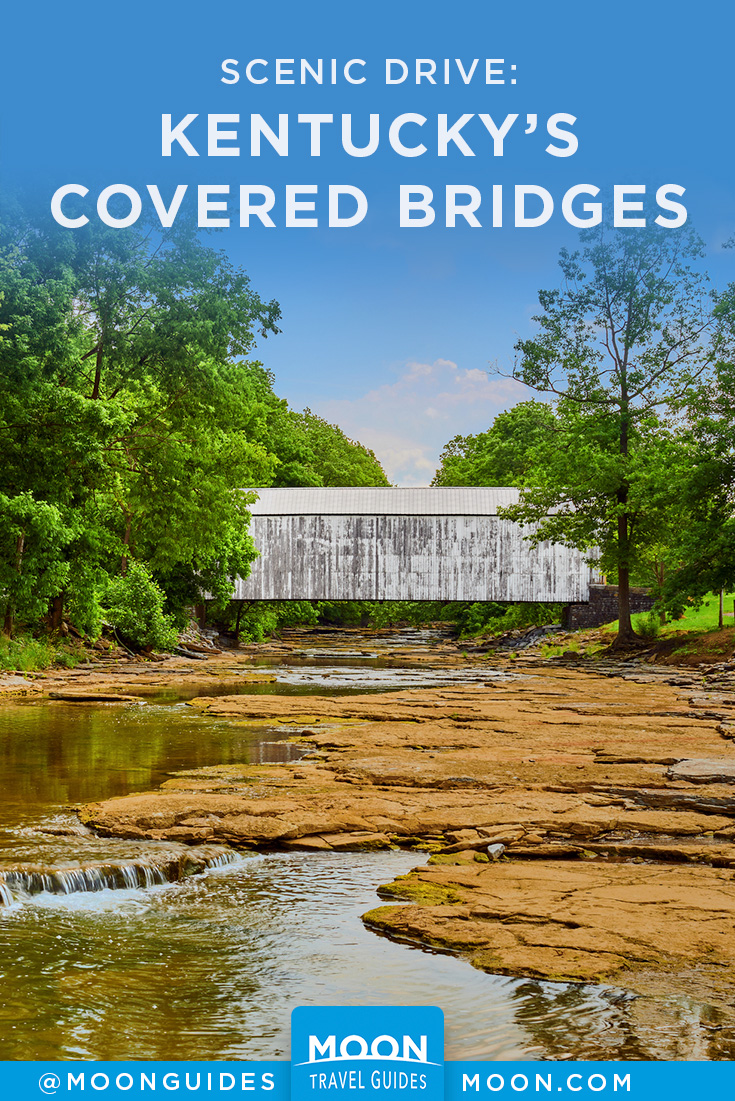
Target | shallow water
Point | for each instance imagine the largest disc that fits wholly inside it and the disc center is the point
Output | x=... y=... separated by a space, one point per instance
x=211 y=966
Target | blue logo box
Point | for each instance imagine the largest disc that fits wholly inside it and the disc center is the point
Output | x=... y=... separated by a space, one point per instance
x=366 y=1052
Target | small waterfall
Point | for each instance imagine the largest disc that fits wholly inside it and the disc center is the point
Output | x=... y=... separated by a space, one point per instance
x=219 y=860
x=148 y=871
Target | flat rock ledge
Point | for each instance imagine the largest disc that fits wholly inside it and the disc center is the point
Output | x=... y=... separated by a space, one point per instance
x=614 y=923
x=581 y=827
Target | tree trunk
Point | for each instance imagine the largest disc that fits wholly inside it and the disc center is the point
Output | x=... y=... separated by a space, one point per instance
x=57 y=612
x=126 y=544
x=626 y=634
x=721 y=621
x=97 y=371
x=10 y=606
x=240 y=606
x=660 y=572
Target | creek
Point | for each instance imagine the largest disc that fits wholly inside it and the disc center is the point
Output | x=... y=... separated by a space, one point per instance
x=135 y=959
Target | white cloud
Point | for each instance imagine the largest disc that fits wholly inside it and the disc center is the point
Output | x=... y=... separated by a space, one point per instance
x=407 y=422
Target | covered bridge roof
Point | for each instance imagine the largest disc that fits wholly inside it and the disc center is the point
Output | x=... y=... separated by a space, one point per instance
x=383 y=501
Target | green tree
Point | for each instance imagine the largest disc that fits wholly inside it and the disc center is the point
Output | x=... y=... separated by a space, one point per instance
x=625 y=338
x=123 y=403
x=501 y=456
x=131 y=421
x=302 y=448
x=702 y=545
x=33 y=568
x=134 y=605
x=331 y=456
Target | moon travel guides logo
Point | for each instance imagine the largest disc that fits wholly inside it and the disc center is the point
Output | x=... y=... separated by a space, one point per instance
x=390 y=1051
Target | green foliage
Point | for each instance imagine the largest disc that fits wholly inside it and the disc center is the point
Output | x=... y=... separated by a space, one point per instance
x=122 y=408
x=346 y=613
x=389 y=613
x=649 y=625
x=702 y=547
x=622 y=341
x=324 y=452
x=253 y=620
x=298 y=613
x=258 y=623
x=489 y=618
x=33 y=568
x=503 y=455
x=26 y=653
x=312 y=452
x=413 y=613
x=134 y=606
x=258 y=620
x=699 y=615
x=129 y=421
x=578 y=482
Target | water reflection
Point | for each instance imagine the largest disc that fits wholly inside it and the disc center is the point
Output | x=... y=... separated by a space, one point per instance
x=211 y=968
x=55 y=754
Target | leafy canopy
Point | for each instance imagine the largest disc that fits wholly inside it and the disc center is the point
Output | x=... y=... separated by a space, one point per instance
x=625 y=338
x=501 y=456
x=130 y=420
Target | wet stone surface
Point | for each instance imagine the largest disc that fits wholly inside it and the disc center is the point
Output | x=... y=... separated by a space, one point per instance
x=554 y=806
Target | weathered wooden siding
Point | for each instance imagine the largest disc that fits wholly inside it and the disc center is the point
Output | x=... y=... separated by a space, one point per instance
x=407 y=557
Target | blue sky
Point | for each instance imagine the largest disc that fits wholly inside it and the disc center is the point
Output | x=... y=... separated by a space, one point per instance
x=394 y=333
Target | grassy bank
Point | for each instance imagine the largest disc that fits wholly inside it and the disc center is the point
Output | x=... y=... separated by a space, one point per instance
x=694 y=639
x=26 y=654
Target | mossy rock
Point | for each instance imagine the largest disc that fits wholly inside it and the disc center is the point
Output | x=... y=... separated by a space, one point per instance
x=411 y=889
x=379 y=916
x=488 y=961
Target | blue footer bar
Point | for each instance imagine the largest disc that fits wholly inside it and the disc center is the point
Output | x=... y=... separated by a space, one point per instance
x=463 y=1079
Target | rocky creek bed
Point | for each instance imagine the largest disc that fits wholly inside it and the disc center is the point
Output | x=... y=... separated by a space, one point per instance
x=580 y=822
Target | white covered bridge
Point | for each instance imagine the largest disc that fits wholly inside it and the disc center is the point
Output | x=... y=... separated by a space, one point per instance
x=403 y=544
